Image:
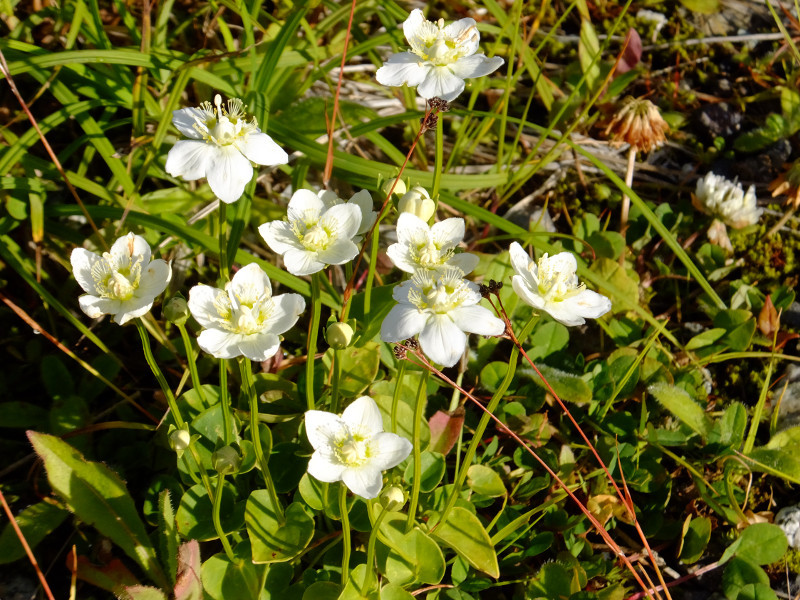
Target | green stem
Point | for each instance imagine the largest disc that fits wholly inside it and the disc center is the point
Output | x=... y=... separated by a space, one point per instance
x=373 y=536
x=223 y=243
x=225 y=401
x=439 y=156
x=484 y=422
x=373 y=260
x=217 y=524
x=419 y=415
x=313 y=334
x=191 y=359
x=171 y=402
x=250 y=390
x=335 y=377
x=345 y=532
x=401 y=372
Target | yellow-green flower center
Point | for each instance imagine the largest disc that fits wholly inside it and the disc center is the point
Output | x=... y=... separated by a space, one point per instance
x=117 y=277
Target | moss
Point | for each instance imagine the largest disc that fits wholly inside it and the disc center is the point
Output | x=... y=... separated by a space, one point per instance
x=770 y=261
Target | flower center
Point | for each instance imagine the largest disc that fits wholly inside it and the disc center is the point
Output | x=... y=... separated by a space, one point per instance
x=440 y=49
x=243 y=311
x=116 y=277
x=439 y=293
x=224 y=126
x=317 y=238
x=352 y=449
x=556 y=285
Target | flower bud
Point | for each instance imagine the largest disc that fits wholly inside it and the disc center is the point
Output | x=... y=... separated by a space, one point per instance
x=339 y=335
x=177 y=310
x=179 y=440
x=226 y=460
x=392 y=498
x=418 y=202
x=399 y=188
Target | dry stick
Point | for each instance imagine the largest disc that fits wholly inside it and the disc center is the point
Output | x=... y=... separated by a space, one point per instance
x=29 y=320
x=626 y=498
x=53 y=157
x=25 y=545
x=326 y=174
x=600 y=529
x=348 y=291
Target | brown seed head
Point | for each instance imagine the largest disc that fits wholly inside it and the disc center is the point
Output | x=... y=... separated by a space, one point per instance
x=788 y=184
x=638 y=123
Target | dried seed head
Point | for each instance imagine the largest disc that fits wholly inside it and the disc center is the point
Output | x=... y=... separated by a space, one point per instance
x=638 y=123
x=788 y=184
x=484 y=290
x=400 y=352
x=439 y=104
x=428 y=121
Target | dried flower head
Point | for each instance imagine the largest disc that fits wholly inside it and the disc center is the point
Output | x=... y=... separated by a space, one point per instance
x=638 y=123
x=788 y=184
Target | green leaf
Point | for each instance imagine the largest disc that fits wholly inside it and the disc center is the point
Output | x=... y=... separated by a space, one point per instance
x=761 y=543
x=738 y=573
x=706 y=7
x=547 y=338
x=142 y=592
x=193 y=516
x=322 y=590
x=412 y=556
x=355 y=589
x=739 y=326
x=465 y=534
x=730 y=429
x=168 y=533
x=696 y=534
x=433 y=468
x=273 y=540
x=775 y=127
x=483 y=480
x=679 y=403
x=359 y=366
x=589 y=54
x=568 y=386
x=756 y=591
x=394 y=592
x=98 y=497
x=776 y=461
x=224 y=580
x=36 y=522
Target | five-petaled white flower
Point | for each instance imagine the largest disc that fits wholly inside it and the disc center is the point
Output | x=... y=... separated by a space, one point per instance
x=314 y=236
x=552 y=286
x=362 y=199
x=422 y=247
x=440 y=306
x=222 y=145
x=122 y=282
x=244 y=319
x=353 y=448
x=441 y=58
x=727 y=201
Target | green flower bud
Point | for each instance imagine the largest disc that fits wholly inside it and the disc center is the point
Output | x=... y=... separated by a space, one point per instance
x=339 y=335
x=226 y=460
x=392 y=498
x=179 y=440
x=177 y=310
x=399 y=189
x=418 y=202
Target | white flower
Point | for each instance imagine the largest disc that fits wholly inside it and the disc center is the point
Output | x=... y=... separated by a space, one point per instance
x=417 y=201
x=222 y=145
x=439 y=306
x=441 y=58
x=244 y=319
x=314 y=236
x=552 y=286
x=122 y=282
x=422 y=247
x=353 y=448
x=362 y=199
x=727 y=201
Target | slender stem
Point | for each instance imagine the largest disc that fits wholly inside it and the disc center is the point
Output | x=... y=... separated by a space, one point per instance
x=192 y=360
x=223 y=243
x=373 y=536
x=215 y=518
x=439 y=157
x=335 y=377
x=250 y=390
x=401 y=372
x=345 y=532
x=225 y=400
x=419 y=415
x=373 y=260
x=626 y=202
x=313 y=334
x=173 y=404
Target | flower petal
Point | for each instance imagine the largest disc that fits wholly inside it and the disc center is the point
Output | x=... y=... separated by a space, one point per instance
x=218 y=343
x=464 y=261
x=477 y=319
x=262 y=150
x=251 y=283
x=363 y=200
x=154 y=279
x=448 y=233
x=287 y=308
x=322 y=428
x=527 y=294
x=442 y=341
x=185 y=120
x=189 y=159
x=228 y=174
x=339 y=252
x=363 y=415
x=389 y=450
x=476 y=65
x=365 y=481
x=279 y=237
x=325 y=467
x=401 y=257
x=345 y=219
x=133 y=309
x=464 y=34
x=418 y=30
x=82 y=262
x=259 y=346
x=95 y=307
x=303 y=205
x=131 y=245
x=585 y=305
x=442 y=83
x=202 y=307
x=402 y=322
x=403 y=67
x=519 y=259
x=411 y=230
x=303 y=262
